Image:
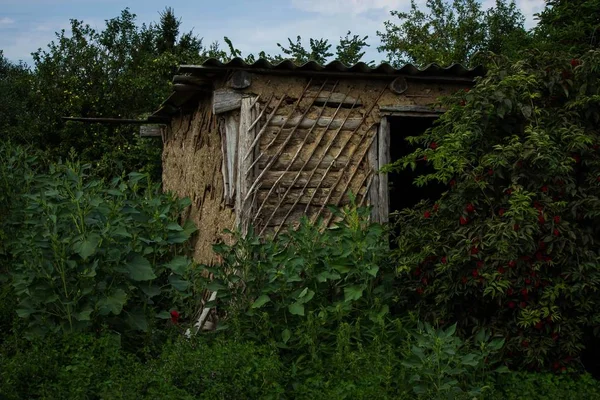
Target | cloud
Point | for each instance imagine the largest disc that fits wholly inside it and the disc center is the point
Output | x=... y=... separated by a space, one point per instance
x=6 y=21
x=354 y=7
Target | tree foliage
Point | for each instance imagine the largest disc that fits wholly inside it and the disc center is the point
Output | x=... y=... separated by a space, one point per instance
x=447 y=32
x=85 y=253
x=570 y=26
x=349 y=50
x=512 y=244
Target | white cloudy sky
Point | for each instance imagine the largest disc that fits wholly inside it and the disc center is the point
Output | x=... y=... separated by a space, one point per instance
x=253 y=25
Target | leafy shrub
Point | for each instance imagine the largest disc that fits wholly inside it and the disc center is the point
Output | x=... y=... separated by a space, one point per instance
x=76 y=366
x=353 y=371
x=91 y=253
x=16 y=175
x=546 y=386
x=222 y=369
x=293 y=291
x=441 y=365
x=512 y=245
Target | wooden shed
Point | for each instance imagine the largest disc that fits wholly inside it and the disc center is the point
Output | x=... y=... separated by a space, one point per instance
x=262 y=144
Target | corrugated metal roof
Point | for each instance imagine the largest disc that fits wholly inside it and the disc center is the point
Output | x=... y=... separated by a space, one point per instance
x=431 y=72
x=454 y=70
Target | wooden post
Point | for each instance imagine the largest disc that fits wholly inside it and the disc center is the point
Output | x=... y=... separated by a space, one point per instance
x=230 y=132
x=247 y=131
x=374 y=189
x=383 y=153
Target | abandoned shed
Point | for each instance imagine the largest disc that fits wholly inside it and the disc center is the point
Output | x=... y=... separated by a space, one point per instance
x=261 y=144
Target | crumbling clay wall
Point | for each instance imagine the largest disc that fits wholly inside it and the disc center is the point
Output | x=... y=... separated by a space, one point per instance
x=192 y=160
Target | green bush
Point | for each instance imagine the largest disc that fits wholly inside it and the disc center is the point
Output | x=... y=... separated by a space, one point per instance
x=517 y=386
x=85 y=367
x=85 y=253
x=512 y=244
x=295 y=290
x=222 y=369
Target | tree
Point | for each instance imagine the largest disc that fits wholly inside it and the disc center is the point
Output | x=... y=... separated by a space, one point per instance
x=318 y=51
x=572 y=26
x=447 y=33
x=15 y=105
x=350 y=49
x=123 y=71
x=512 y=244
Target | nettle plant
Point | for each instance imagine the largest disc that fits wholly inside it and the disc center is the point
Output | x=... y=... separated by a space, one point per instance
x=512 y=245
x=87 y=253
x=294 y=291
x=442 y=366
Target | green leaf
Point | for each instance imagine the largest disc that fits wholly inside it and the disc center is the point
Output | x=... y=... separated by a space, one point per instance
x=296 y=308
x=87 y=246
x=215 y=286
x=24 y=309
x=163 y=315
x=84 y=315
x=113 y=303
x=121 y=231
x=174 y=226
x=450 y=331
x=342 y=269
x=179 y=265
x=150 y=291
x=137 y=320
x=326 y=275
x=373 y=270
x=178 y=283
x=140 y=269
x=261 y=301
x=286 y=335
x=353 y=292
x=469 y=359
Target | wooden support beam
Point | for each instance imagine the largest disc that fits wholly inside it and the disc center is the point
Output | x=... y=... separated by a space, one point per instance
x=226 y=100
x=383 y=158
x=412 y=111
x=307 y=123
x=333 y=99
x=229 y=143
x=151 y=130
x=373 y=195
x=243 y=203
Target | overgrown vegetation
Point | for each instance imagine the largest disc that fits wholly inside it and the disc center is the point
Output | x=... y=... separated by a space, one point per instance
x=491 y=291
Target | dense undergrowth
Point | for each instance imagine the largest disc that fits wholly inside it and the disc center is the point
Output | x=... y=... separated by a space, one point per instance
x=97 y=294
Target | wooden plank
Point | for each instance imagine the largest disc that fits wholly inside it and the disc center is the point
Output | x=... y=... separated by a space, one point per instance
x=306 y=179
x=248 y=115
x=306 y=123
x=230 y=156
x=226 y=100
x=224 y=165
x=373 y=195
x=313 y=138
x=284 y=162
x=333 y=99
x=151 y=130
x=280 y=213
x=297 y=196
x=383 y=138
x=412 y=110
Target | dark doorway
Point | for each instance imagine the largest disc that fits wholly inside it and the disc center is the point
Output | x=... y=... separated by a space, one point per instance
x=403 y=192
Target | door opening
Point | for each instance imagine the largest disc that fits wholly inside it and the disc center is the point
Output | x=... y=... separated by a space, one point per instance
x=403 y=193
